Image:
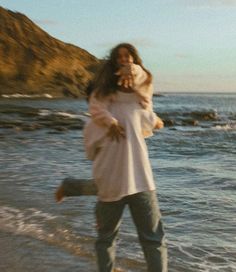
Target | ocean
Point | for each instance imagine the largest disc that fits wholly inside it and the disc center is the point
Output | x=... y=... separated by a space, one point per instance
x=193 y=160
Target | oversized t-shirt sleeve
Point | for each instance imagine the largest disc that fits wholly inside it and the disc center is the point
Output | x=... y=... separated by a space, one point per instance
x=99 y=112
x=148 y=122
x=139 y=82
x=94 y=136
x=143 y=89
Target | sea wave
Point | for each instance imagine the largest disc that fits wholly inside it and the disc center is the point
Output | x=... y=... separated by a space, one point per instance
x=27 y=222
x=52 y=229
x=39 y=225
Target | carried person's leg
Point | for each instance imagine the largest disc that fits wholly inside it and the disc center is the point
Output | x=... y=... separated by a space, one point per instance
x=108 y=215
x=75 y=187
x=147 y=218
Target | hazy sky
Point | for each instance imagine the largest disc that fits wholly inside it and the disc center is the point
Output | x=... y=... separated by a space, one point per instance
x=188 y=45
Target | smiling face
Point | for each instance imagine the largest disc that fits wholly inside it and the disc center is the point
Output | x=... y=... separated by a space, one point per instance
x=124 y=57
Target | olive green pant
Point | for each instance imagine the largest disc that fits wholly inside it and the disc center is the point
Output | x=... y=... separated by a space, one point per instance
x=147 y=219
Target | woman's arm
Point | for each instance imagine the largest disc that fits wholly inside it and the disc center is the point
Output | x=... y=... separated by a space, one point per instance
x=102 y=117
x=133 y=76
x=140 y=85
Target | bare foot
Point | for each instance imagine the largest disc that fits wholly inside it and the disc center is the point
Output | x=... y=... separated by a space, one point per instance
x=59 y=194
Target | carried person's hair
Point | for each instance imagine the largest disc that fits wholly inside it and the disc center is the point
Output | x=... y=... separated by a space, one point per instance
x=105 y=80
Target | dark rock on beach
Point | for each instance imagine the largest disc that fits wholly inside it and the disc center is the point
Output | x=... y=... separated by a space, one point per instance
x=158 y=94
x=169 y=122
x=29 y=119
x=34 y=63
x=191 y=118
x=190 y=122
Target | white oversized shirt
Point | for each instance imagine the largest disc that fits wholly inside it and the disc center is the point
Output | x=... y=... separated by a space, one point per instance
x=121 y=168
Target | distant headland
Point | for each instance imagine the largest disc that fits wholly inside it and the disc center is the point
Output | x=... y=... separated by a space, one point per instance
x=33 y=63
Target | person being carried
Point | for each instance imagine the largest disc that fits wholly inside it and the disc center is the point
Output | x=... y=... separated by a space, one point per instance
x=130 y=75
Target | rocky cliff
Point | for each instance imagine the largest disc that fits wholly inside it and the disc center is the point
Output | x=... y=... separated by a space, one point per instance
x=32 y=62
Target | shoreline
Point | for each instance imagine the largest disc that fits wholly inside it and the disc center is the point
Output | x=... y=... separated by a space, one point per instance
x=49 y=96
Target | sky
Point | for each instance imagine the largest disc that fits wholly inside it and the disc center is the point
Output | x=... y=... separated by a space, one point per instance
x=188 y=45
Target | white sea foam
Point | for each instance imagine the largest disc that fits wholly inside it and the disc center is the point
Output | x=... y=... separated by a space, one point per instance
x=17 y=95
x=48 y=96
x=23 y=221
x=42 y=226
x=84 y=116
x=45 y=112
x=230 y=126
x=68 y=115
x=201 y=258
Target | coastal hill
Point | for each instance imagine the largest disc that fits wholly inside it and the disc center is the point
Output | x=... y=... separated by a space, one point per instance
x=34 y=63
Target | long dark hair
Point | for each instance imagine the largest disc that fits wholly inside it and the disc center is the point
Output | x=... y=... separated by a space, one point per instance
x=105 y=81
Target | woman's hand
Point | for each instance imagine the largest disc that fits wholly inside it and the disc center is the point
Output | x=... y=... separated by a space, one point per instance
x=159 y=123
x=116 y=132
x=125 y=74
